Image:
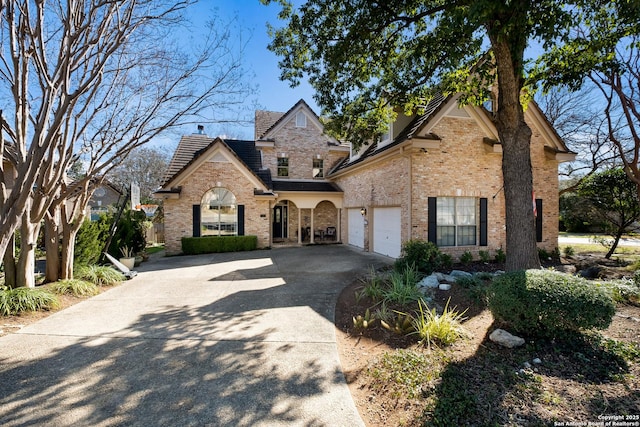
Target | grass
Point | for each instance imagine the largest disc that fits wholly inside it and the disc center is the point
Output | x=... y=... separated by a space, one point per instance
x=99 y=275
x=20 y=300
x=154 y=249
x=75 y=287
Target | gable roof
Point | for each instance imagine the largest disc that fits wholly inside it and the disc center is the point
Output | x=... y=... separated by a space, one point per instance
x=192 y=147
x=411 y=130
x=433 y=108
x=264 y=120
x=282 y=117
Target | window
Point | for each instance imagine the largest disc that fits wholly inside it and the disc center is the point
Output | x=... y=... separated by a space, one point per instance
x=456 y=221
x=219 y=213
x=318 y=169
x=283 y=166
x=301 y=120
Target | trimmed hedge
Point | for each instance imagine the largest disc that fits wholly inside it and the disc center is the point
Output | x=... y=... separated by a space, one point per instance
x=213 y=244
x=548 y=303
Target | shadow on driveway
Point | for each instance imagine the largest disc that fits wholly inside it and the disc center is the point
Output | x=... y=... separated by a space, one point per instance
x=221 y=340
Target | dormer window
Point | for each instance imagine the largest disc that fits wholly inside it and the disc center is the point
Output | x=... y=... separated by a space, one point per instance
x=301 y=120
x=386 y=137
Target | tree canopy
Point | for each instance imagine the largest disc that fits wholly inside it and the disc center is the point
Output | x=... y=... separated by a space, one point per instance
x=364 y=58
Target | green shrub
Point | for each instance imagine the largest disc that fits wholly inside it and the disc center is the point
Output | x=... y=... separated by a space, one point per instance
x=500 y=255
x=90 y=241
x=549 y=303
x=446 y=260
x=623 y=291
x=466 y=257
x=130 y=232
x=569 y=251
x=75 y=287
x=214 y=244
x=543 y=254
x=373 y=286
x=99 y=275
x=484 y=256
x=425 y=256
x=19 y=300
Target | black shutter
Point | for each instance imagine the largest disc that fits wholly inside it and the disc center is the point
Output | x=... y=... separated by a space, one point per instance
x=240 y=220
x=432 y=228
x=539 y=220
x=196 y=220
x=483 y=222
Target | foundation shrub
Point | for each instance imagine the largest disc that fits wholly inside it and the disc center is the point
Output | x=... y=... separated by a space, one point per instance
x=548 y=303
x=214 y=244
x=421 y=254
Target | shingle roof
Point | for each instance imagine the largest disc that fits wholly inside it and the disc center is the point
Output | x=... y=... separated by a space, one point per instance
x=319 y=186
x=261 y=133
x=264 y=120
x=191 y=147
x=414 y=127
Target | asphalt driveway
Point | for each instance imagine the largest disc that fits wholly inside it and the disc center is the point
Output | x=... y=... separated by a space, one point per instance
x=242 y=339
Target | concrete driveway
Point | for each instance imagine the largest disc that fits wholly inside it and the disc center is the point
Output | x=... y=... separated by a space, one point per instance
x=242 y=339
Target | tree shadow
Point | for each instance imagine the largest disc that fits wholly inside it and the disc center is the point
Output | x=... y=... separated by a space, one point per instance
x=230 y=362
x=491 y=387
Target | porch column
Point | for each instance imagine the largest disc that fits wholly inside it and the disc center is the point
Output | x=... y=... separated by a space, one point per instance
x=338 y=227
x=299 y=226
x=312 y=229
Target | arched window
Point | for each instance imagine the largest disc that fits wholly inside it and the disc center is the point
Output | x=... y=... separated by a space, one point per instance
x=219 y=213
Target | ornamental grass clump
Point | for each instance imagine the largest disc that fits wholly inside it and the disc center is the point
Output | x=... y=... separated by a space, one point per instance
x=548 y=303
x=75 y=287
x=439 y=329
x=99 y=275
x=20 y=300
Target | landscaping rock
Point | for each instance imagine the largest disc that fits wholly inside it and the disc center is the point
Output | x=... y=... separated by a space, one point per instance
x=536 y=361
x=444 y=286
x=592 y=272
x=505 y=339
x=429 y=282
x=566 y=268
x=460 y=273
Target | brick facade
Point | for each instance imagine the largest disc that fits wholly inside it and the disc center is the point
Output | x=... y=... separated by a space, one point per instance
x=456 y=163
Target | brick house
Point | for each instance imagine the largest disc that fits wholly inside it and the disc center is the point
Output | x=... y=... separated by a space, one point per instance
x=435 y=176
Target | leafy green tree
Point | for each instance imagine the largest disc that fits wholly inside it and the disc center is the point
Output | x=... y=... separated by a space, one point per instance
x=614 y=197
x=363 y=58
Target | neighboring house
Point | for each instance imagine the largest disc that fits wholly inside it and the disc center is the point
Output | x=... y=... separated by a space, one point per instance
x=106 y=197
x=436 y=176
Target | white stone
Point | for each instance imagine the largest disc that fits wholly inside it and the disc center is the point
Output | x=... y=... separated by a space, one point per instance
x=527 y=365
x=537 y=361
x=505 y=339
x=444 y=286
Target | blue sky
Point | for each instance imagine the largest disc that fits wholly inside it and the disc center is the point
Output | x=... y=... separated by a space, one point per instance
x=252 y=17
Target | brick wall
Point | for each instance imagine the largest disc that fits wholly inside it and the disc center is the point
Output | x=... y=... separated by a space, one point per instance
x=459 y=167
x=178 y=213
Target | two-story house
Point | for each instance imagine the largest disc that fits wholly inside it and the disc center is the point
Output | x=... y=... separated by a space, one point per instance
x=434 y=176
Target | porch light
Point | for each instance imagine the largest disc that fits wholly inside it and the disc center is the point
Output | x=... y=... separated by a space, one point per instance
x=363 y=211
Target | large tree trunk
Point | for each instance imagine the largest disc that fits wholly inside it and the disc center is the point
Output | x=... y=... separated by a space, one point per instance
x=517 y=173
x=52 y=246
x=9 y=262
x=68 y=245
x=27 y=259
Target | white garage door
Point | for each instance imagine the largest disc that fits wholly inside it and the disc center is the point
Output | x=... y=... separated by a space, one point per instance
x=356 y=228
x=386 y=232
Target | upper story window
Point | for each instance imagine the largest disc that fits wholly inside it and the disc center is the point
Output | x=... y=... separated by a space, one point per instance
x=318 y=168
x=219 y=213
x=456 y=221
x=283 y=166
x=301 y=120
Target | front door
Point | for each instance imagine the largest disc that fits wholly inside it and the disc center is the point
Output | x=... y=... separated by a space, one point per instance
x=280 y=222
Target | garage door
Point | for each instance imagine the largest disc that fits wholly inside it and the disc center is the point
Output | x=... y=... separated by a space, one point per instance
x=386 y=232
x=356 y=228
